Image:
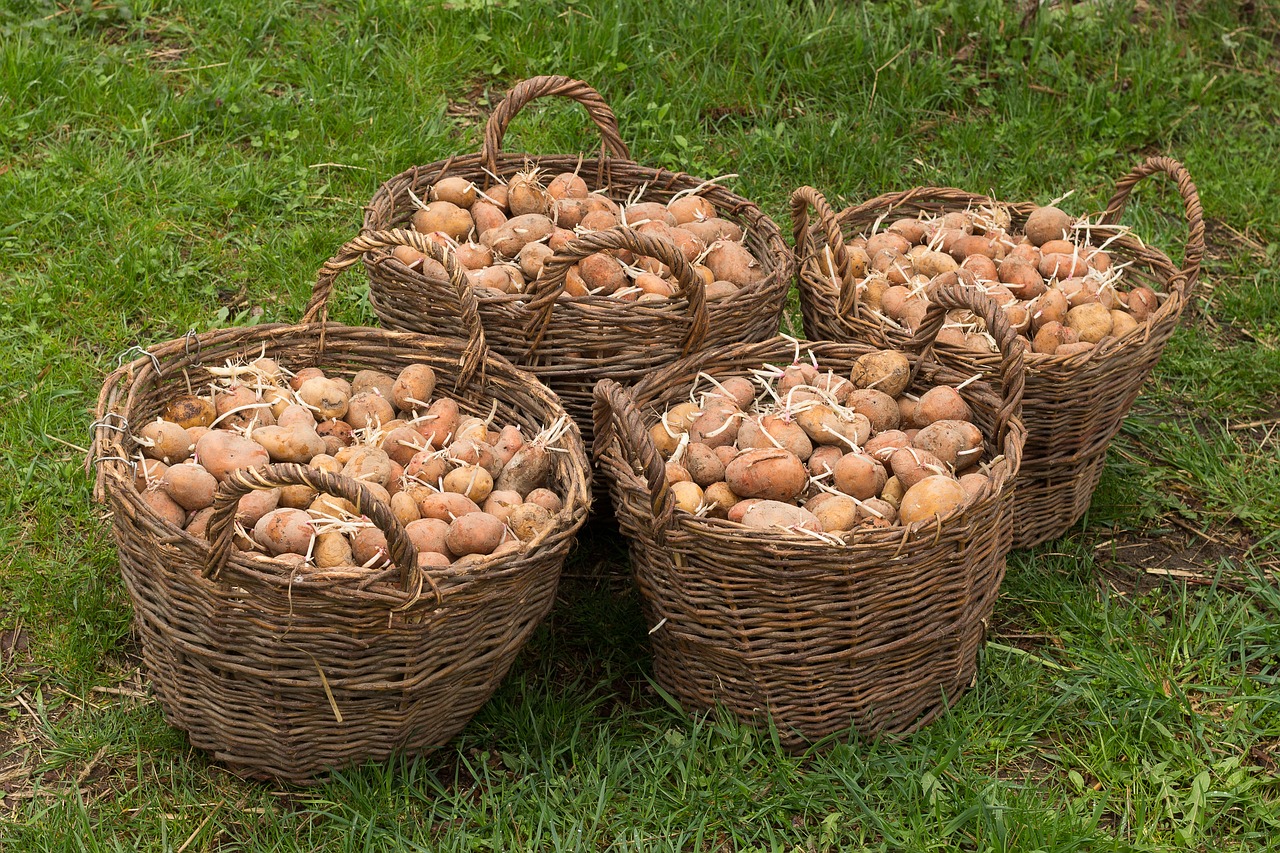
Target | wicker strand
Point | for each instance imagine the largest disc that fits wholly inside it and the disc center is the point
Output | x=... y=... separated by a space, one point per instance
x=1193 y=251
x=356 y=249
x=801 y=200
x=540 y=87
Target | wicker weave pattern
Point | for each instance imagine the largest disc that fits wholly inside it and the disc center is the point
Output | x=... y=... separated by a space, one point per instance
x=1074 y=405
x=284 y=673
x=880 y=633
x=585 y=338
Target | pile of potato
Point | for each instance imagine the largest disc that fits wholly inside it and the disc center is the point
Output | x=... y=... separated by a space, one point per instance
x=459 y=486
x=504 y=234
x=807 y=450
x=1057 y=290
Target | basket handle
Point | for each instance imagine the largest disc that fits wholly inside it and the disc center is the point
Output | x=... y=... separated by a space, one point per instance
x=945 y=297
x=801 y=200
x=1193 y=252
x=615 y=414
x=245 y=480
x=550 y=284
x=477 y=349
x=538 y=87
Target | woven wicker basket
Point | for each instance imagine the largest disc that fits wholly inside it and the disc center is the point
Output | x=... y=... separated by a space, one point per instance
x=288 y=674
x=1074 y=405
x=570 y=342
x=880 y=633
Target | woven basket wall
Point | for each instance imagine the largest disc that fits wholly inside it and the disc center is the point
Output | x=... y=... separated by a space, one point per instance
x=1074 y=405
x=570 y=342
x=286 y=673
x=880 y=633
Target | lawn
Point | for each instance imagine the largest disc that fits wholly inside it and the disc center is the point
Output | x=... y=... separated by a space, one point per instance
x=170 y=166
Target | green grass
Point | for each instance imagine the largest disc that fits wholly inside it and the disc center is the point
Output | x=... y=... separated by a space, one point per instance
x=167 y=166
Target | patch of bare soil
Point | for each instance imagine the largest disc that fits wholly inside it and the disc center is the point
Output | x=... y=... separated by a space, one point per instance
x=1135 y=562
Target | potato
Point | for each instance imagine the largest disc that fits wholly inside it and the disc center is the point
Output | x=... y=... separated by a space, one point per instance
x=189 y=485
x=877 y=406
x=510 y=439
x=526 y=195
x=690 y=208
x=328 y=398
x=932 y=497
x=189 y=411
x=824 y=458
x=1021 y=278
x=404 y=507
x=164 y=506
x=456 y=191
x=198 y=523
x=369 y=547
x=222 y=451
x=973 y=485
x=331 y=550
x=859 y=474
x=529 y=469
x=439 y=423
x=982 y=267
x=676 y=473
x=834 y=512
x=827 y=426
x=499 y=504
x=887 y=371
x=367 y=464
x=941 y=403
x=718 y=424
x=911 y=465
x=769 y=431
x=1062 y=266
x=474 y=533
x=739 y=389
x=602 y=273
x=253 y=506
x=546 y=498
x=297 y=443
x=931 y=264
x=957 y=443
x=882 y=445
x=599 y=220
x=703 y=465
x=1076 y=348
x=528 y=520
x=720 y=498
x=713 y=229
x=1047 y=223
x=165 y=441
x=1122 y=323
x=443 y=217
x=567 y=185
x=517 y=233
x=284 y=531
x=766 y=514
x=470 y=480
x=1091 y=322
x=770 y=474
x=687 y=495
x=445 y=505
x=880 y=513
x=488 y=218
x=651 y=211
x=1049 y=307
x=1142 y=302
x=734 y=262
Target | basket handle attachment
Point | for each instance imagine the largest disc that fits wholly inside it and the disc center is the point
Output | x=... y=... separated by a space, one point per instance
x=241 y=482
x=615 y=415
x=473 y=357
x=801 y=200
x=550 y=284
x=537 y=87
x=1012 y=375
x=1193 y=252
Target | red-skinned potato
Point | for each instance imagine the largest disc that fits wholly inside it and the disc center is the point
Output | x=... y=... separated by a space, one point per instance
x=911 y=465
x=222 y=451
x=770 y=474
x=942 y=402
x=474 y=533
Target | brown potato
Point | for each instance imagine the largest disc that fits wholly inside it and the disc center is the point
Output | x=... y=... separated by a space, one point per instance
x=887 y=371
x=1062 y=266
x=166 y=441
x=1047 y=223
x=456 y=191
x=445 y=505
x=474 y=533
x=932 y=497
x=957 y=443
x=439 y=423
x=835 y=512
x=733 y=262
x=499 y=504
x=222 y=451
x=649 y=211
x=1122 y=323
x=703 y=465
x=164 y=506
x=527 y=196
x=717 y=425
x=602 y=273
x=404 y=507
x=517 y=233
x=443 y=217
x=328 y=398
x=284 y=531
x=826 y=426
x=941 y=403
x=860 y=475
x=771 y=431
x=770 y=474
x=470 y=480
x=878 y=407
x=567 y=185
x=1091 y=322
x=331 y=550
x=824 y=459
x=911 y=466
x=766 y=514
x=687 y=495
x=255 y=505
x=881 y=445
x=1049 y=307
x=528 y=520
x=189 y=411
x=1022 y=279
x=713 y=229
x=1142 y=302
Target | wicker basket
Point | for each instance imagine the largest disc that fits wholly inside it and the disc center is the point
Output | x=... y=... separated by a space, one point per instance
x=880 y=633
x=570 y=342
x=1074 y=405
x=285 y=674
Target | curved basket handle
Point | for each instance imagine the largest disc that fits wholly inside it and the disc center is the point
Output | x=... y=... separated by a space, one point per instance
x=1193 y=252
x=245 y=480
x=945 y=297
x=615 y=414
x=477 y=350
x=801 y=200
x=550 y=284
x=538 y=87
